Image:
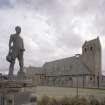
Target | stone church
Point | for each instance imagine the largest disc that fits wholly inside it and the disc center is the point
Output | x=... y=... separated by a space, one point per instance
x=83 y=69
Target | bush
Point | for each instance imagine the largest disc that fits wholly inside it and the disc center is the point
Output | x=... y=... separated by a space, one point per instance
x=74 y=101
x=65 y=101
x=94 y=102
x=79 y=101
x=45 y=100
x=102 y=102
x=54 y=101
x=83 y=101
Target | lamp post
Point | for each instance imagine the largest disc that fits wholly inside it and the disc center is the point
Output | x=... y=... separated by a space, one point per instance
x=77 y=85
x=98 y=82
x=77 y=88
x=83 y=80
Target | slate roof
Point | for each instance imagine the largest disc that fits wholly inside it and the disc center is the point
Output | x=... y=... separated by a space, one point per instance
x=66 y=66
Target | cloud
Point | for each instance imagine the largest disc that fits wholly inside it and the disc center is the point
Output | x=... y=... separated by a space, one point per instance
x=4 y=3
x=51 y=29
x=38 y=35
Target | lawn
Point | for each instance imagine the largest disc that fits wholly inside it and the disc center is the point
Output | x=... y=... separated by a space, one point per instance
x=62 y=91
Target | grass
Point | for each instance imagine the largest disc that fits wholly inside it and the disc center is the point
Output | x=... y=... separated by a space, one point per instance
x=62 y=91
x=91 y=90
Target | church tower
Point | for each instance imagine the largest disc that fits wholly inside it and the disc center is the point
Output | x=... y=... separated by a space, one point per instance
x=91 y=56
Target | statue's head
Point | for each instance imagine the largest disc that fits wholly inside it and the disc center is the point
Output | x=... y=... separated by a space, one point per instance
x=18 y=29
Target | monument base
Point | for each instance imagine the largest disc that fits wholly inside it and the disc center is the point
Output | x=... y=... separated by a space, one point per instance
x=11 y=90
x=21 y=75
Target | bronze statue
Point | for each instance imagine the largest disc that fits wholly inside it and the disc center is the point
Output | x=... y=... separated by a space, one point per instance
x=16 y=50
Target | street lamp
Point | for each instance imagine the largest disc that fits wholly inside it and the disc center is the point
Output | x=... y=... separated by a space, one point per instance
x=77 y=88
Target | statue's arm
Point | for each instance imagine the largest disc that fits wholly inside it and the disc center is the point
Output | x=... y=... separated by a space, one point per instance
x=10 y=42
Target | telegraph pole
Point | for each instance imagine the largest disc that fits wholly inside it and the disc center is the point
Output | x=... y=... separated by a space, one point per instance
x=98 y=82
x=83 y=80
x=77 y=86
x=77 y=56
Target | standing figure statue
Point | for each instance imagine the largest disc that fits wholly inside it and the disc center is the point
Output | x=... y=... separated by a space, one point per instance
x=16 y=50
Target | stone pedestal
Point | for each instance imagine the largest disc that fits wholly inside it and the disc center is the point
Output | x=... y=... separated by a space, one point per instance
x=10 y=89
x=21 y=75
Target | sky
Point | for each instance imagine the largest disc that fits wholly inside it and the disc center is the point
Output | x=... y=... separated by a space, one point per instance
x=51 y=29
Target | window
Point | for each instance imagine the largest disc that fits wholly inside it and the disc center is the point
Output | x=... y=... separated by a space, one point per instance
x=90 y=78
x=85 y=49
x=102 y=78
x=70 y=78
x=91 y=48
x=70 y=68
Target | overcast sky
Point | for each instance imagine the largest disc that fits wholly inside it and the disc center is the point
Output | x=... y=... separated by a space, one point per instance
x=51 y=29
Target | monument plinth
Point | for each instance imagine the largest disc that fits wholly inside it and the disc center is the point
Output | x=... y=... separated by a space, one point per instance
x=10 y=89
x=21 y=75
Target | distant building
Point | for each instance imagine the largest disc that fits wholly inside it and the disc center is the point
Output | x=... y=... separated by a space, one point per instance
x=83 y=68
x=33 y=70
x=35 y=74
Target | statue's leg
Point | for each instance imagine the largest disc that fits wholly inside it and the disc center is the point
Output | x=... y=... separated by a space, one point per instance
x=21 y=61
x=11 y=68
x=21 y=74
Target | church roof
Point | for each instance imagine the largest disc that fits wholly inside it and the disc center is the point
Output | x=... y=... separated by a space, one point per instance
x=67 y=66
x=79 y=67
